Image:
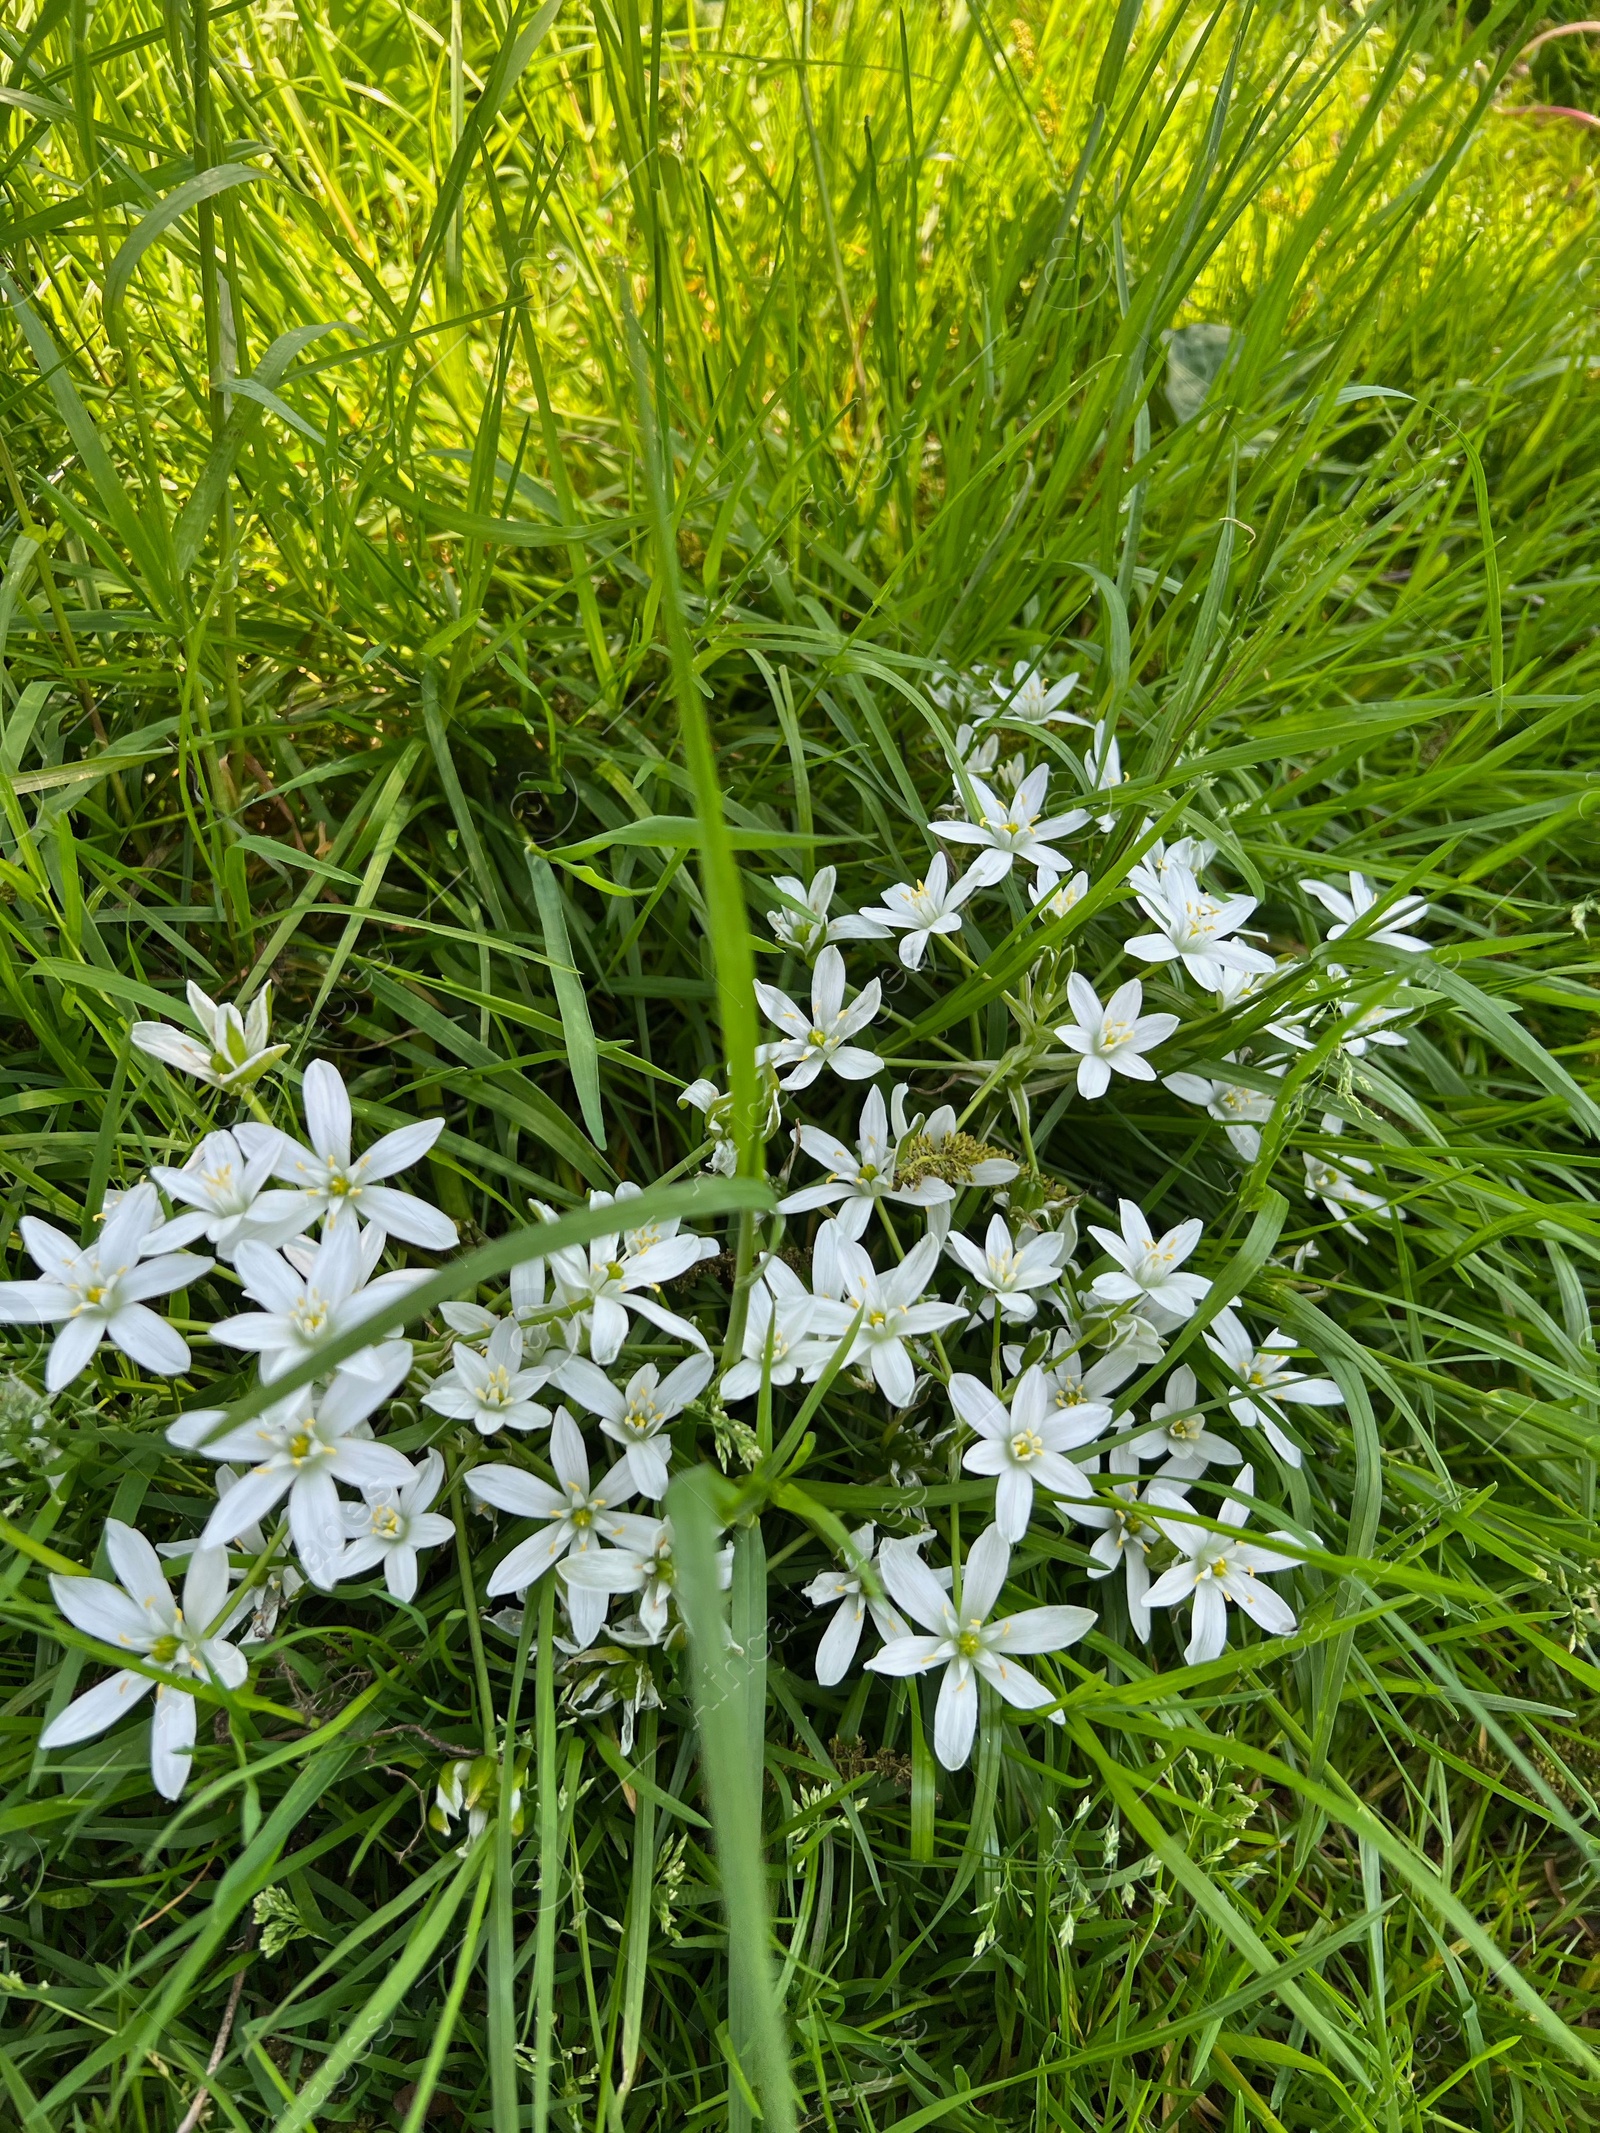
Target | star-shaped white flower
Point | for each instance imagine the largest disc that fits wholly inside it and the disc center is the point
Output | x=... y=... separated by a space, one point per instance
x=810 y=928
x=1015 y=827
x=1009 y=1271
x=641 y=1561
x=1218 y=1568
x=1023 y=1446
x=822 y=1038
x=492 y=1391
x=97 y=1291
x=139 y=1615
x=1126 y=1523
x=1035 y=700
x=226 y=1194
x=1054 y=898
x=778 y=1322
x=1113 y=1038
x=312 y=1297
x=1147 y=1269
x=1350 y=909
x=1266 y=1381
x=843 y=1591
x=1082 y=1392
x=1337 y=1189
x=235 y=1052
x=1196 y=929
x=890 y=1305
x=301 y=1447
x=968 y=1644
x=392 y=1525
x=638 y=1417
x=1178 y=1433
x=1241 y=1109
x=598 y=1284
x=859 y=1177
x=338 y=1188
x=574 y=1516
x=917 y=910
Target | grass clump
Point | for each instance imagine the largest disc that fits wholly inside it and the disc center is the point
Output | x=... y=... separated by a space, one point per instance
x=498 y=504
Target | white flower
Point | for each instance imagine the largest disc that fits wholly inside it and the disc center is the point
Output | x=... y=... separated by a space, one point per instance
x=314 y=1301
x=1337 y=1189
x=843 y=1591
x=1007 y=1271
x=921 y=909
x=235 y=1052
x=1366 y=1023
x=301 y=1448
x=493 y=1391
x=1012 y=829
x=574 y=1517
x=1114 y=1037
x=640 y=1562
x=1102 y=767
x=1193 y=928
x=1083 y=1394
x=890 y=1305
x=183 y=1642
x=810 y=927
x=1023 y=1446
x=1242 y=1110
x=822 y=1038
x=97 y=1292
x=1178 y=1432
x=1128 y=1530
x=262 y=1602
x=717 y=1110
x=861 y=1176
x=598 y=1284
x=967 y=1644
x=392 y=1525
x=637 y=1418
x=337 y=1189
x=225 y=1191
x=778 y=1317
x=1266 y=1380
x=1147 y=1266
x=1350 y=909
x=1219 y=1567
x=527 y=1288
x=940 y=1127
x=1054 y=898
x=1037 y=702
x=1193 y=854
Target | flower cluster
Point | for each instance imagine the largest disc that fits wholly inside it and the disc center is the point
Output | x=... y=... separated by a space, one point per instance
x=1091 y=1394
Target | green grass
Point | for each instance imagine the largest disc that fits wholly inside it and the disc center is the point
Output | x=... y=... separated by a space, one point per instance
x=646 y=414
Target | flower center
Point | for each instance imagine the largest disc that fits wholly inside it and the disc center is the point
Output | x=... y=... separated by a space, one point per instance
x=301 y=1446
x=95 y=1295
x=339 y=1187
x=969 y=1644
x=643 y=1417
x=1025 y=1445
x=1186 y=1428
x=498 y=1390
x=613 y=1269
x=817 y=1037
x=165 y=1650
x=582 y=1517
x=386 y=1521
x=1115 y=1033
x=311 y=1316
